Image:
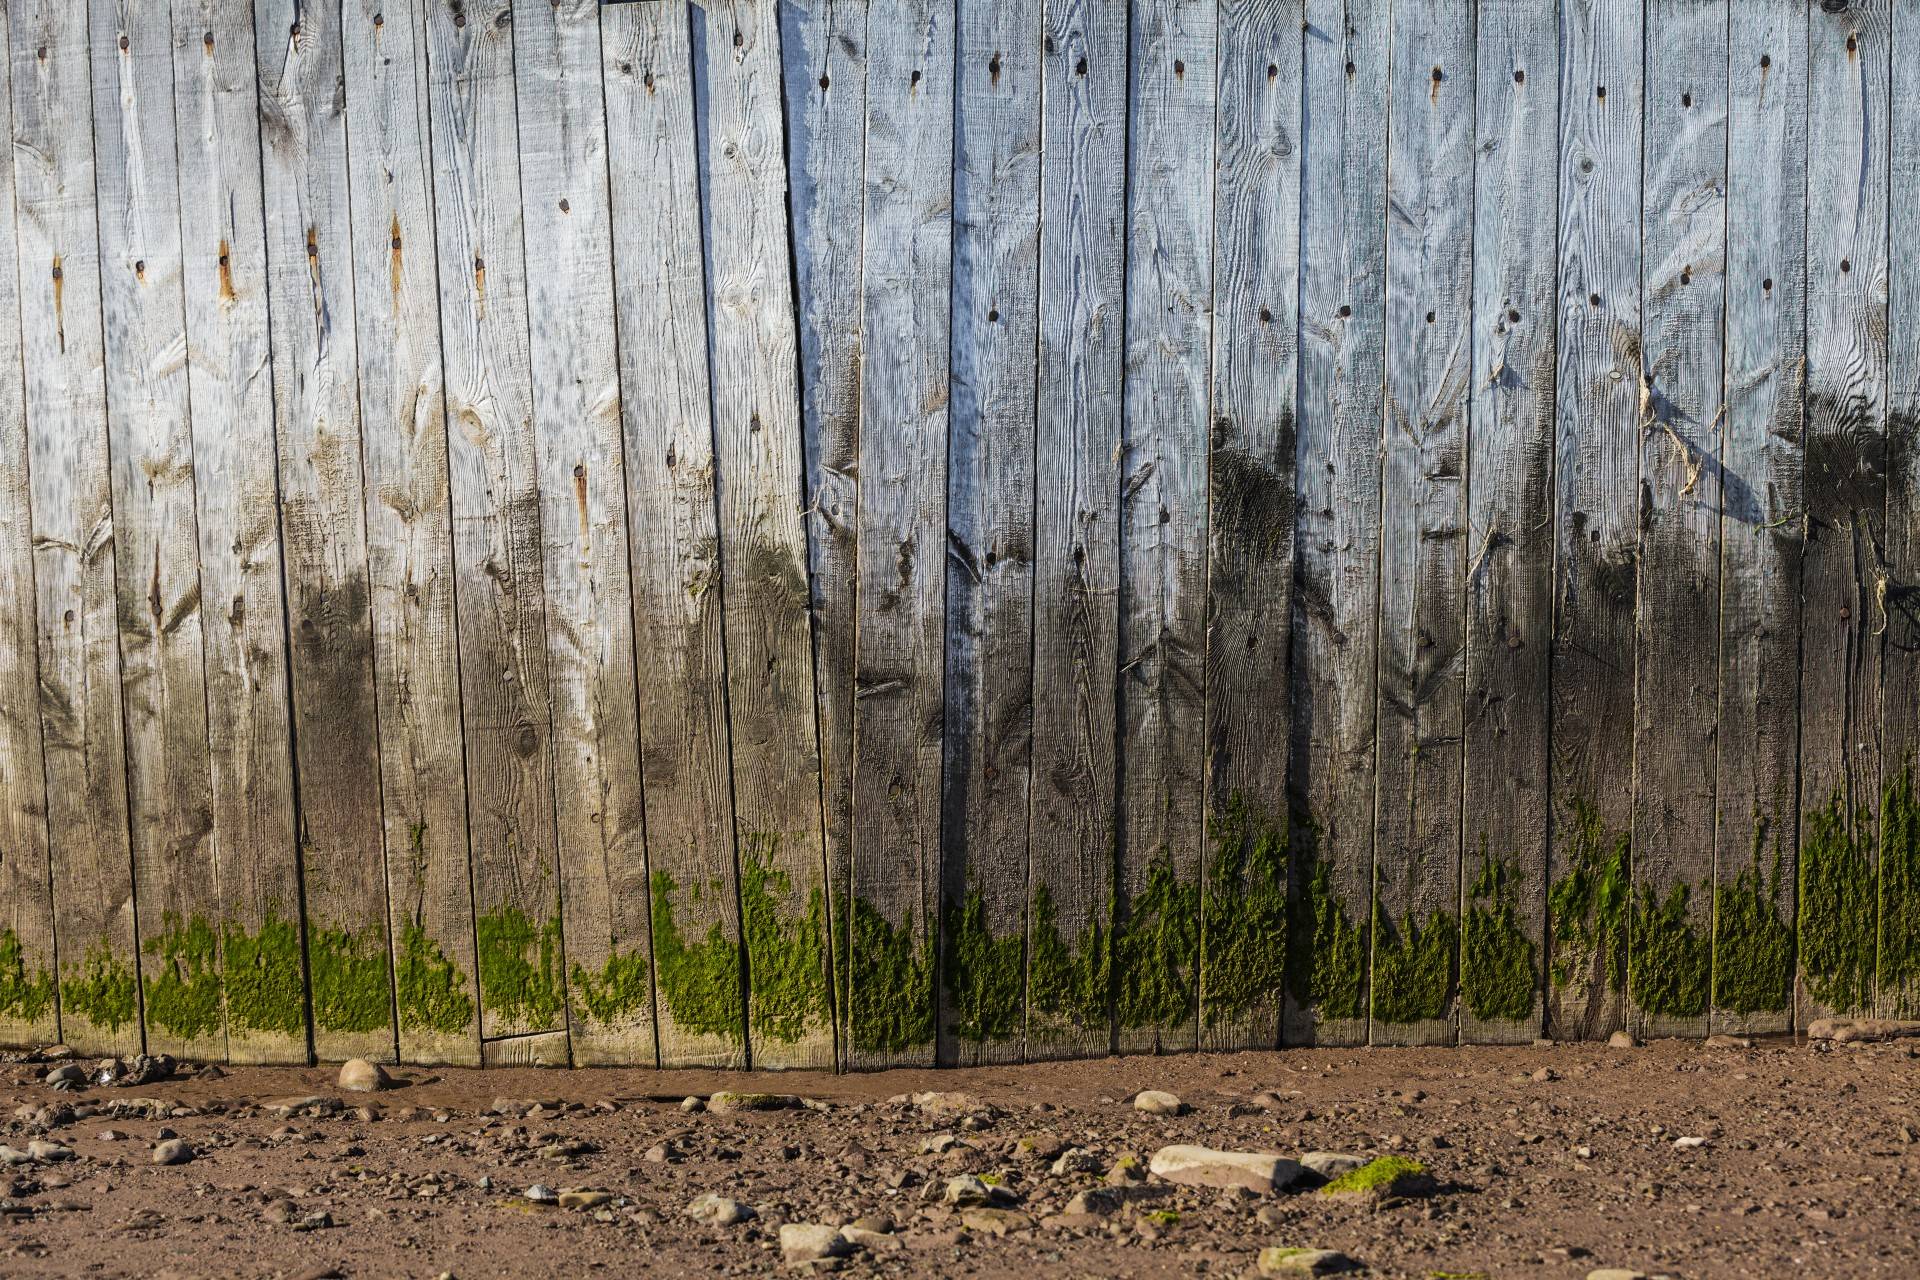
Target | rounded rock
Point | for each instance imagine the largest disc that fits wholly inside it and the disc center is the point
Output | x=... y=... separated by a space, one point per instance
x=357 y=1075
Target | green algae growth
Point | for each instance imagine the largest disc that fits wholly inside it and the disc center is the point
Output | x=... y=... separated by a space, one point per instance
x=1498 y=961
x=26 y=992
x=1836 y=916
x=1753 y=945
x=182 y=978
x=1589 y=908
x=1326 y=954
x=262 y=973
x=100 y=989
x=1243 y=935
x=985 y=975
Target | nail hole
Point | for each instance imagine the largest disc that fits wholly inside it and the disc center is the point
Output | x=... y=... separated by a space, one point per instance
x=1766 y=60
x=1686 y=99
x=1519 y=77
x=1600 y=92
x=1767 y=284
x=1593 y=299
x=1846 y=264
x=1345 y=311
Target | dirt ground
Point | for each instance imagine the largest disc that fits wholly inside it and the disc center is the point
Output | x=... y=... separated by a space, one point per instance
x=1550 y=1161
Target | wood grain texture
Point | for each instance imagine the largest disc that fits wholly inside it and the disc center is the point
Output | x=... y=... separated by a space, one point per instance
x=29 y=1009
x=1762 y=524
x=901 y=552
x=1163 y=531
x=1509 y=618
x=169 y=784
x=494 y=493
x=74 y=554
x=763 y=540
x=990 y=501
x=1429 y=354
x=1844 y=579
x=223 y=259
x=1072 y=842
x=1595 y=514
x=323 y=526
x=576 y=403
x=1677 y=600
x=1336 y=581
x=410 y=562
x=1250 y=521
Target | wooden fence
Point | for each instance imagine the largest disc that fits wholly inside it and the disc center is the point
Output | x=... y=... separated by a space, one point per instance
x=863 y=532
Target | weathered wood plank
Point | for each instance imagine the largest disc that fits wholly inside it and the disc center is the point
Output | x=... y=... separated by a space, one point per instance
x=1509 y=619
x=323 y=527
x=1163 y=513
x=499 y=583
x=902 y=535
x=416 y=655
x=62 y=349
x=1595 y=514
x=1417 y=793
x=1842 y=636
x=1677 y=598
x=1899 y=939
x=29 y=1011
x=990 y=534
x=1072 y=844
x=1250 y=516
x=169 y=783
x=1342 y=292
x=576 y=409
x=677 y=590
x=756 y=430
x=1762 y=528
x=224 y=267
x=823 y=56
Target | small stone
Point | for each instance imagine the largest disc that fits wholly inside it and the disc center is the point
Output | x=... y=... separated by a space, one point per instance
x=1037 y=1146
x=48 y=1152
x=1194 y=1166
x=1126 y=1172
x=540 y=1193
x=995 y=1222
x=1075 y=1160
x=1616 y=1273
x=1545 y=1075
x=585 y=1199
x=109 y=1135
x=67 y=1073
x=314 y=1222
x=724 y=1102
x=11 y=1155
x=1100 y=1202
x=1156 y=1102
x=938 y=1144
x=1622 y=1040
x=173 y=1151
x=1328 y=1165
x=872 y=1241
x=1388 y=1178
x=357 y=1075
x=718 y=1210
x=655 y=1154
x=802 y=1242
x=968 y=1191
x=1689 y=1143
x=1729 y=1042
x=1304 y=1262
x=692 y=1105
x=948 y=1103
x=1268 y=1100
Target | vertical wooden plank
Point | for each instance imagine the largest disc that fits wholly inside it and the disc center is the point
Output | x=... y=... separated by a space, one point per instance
x=901 y=583
x=1899 y=938
x=576 y=408
x=1596 y=480
x=1509 y=617
x=499 y=582
x=756 y=428
x=1761 y=519
x=169 y=786
x=824 y=70
x=1163 y=541
x=1677 y=599
x=1843 y=619
x=1250 y=518
x=990 y=533
x=62 y=348
x=1342 y=293
x=224 y=268
x=409 y=532
x=1417 y=796
x=29 y=1012
x=323 y=526
x=1072 y=844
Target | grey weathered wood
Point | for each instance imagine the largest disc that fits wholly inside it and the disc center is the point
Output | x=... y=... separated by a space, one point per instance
x=990 y=533
x=823 y=55
x=1163 y=514
x=323 y=527
x=409 y=532
x=1072 y=843
x=1844 y=579
x=1762 y=522
x=674 y=534
x=763 y=541
x=1596 y=509
x=1677 y=599
x=500 y=586
x=1429 y=354
x=576 y=404
x=62 y=349
x=1898 y=973
x=1256 y=295
x=1342 y=292
x=169 y=786
x=1509 y=617
x=223 y=257
x=901 y=530
x=29 y=1011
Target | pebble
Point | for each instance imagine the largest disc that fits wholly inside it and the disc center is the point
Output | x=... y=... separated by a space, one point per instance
x=1331 y=1164
x=1304 y=1262
x=173 y=1151
x=540 y=1193
x=357 y=1075
x=9 y=1155
x=1098 y=1201
x=1195 y=1166
x=1126 y=1171
x=1616 y=1273
x=48 y=1152
x=1156 y=1102
x=723 y=1102
x=719 y=1210
x=811 y=1241
x=585 y=1199
x=1075 y=1160
x=1622 y=1040
x=1689 y=1144
x=1729 y=1042
x=67 y=1073
x=968 y=1191
x=692 y=1105
x=995 y=1222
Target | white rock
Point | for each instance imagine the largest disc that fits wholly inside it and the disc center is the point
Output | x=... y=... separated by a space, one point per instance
x=48 y=1152
x=1303 y=1262
x=1156 y=1102
x=811 y=1241
x=718 y=1210
x=1689 y=1144
x=1194 y=1166
x=1076 y=1160
x=357 y=1075
x=173 y=1151
x=970 y=1192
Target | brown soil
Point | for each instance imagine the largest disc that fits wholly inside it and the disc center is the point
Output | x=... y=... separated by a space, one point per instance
x=1551 y=1161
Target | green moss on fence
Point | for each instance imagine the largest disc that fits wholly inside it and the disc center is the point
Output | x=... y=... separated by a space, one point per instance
x=619 y=992
x=985 y=975
x=1413 y=966
x=100 y=989
x=1836 y=922
x=1672 y=961
x=1071 y=981
x=1753 y=945
x=786 y=955
x=1326 y=954
x=263 y=977
x=699 y=978
x=430 y=987
x=352 y=979
x=1244 y=918
x=890 y=1003
x=1588 y=908
x=26 y=992
x=1899 y=958
x=1157 y=950
x=182 y=977
x=1497 y=958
